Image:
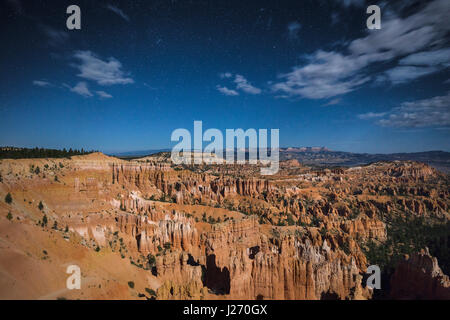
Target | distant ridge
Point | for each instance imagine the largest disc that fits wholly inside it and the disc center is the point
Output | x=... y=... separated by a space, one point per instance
x=322 y=156
x=305 y=149
x=136 y=154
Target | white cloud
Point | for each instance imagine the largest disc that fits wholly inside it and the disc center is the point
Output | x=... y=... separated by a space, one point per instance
x=104 y=95
x=244 y=85
x=432 y=112
x=428 y=58
x=227 y=92
x=107 y=72
x=82 y=89
x=371 y=115
x=241 y=84
x=333 y=102
x=119 y=12
x=293 y=28
x=417 y=65
x=226 y=75
x=329 y=74
x=42 y=83
x=402 y=74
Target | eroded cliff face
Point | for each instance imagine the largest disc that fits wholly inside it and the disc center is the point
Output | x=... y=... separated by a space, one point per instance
x=155 y=230
x=224 y=232
x=282 y=266
x=419 y=277
x=183 y=186
x=236 y=259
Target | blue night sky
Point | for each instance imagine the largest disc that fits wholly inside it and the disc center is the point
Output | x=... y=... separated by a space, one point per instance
x=137 y=70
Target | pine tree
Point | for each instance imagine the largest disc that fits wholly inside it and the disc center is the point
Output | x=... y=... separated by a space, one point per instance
x=8 y=198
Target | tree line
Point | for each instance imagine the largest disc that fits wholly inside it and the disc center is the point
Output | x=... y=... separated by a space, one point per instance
x=21 y=153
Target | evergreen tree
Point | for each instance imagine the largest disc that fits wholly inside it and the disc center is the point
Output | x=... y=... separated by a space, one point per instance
x=8 y=198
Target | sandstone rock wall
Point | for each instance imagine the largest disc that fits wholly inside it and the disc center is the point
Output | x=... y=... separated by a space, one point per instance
x=420 y=277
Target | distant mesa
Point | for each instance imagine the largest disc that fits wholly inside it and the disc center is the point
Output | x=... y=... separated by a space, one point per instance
x=290 y=163
x=305 y=149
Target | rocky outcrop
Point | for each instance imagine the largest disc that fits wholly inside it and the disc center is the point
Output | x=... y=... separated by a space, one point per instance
x=182 y=276
x=185 y=186
x=420 y=277
x=283 y=266
x=411 y=170
x=241 y=263
x=365 y=228
x=152 y=232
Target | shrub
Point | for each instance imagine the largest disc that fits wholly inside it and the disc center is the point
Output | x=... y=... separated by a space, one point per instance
x=167 y=245
x=281 y=223
x=151 y=260
x=40 y=206
x=323 y=232
x=9 y=216
x=290 y=220
x=97 y=249
x=315 y=222
x=44 y=220
x=8 y=198
x=346 y=248
x=131 y=284
x=211 y=220
x=150 y=292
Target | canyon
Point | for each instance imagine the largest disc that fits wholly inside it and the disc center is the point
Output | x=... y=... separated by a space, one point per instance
x=148 y=228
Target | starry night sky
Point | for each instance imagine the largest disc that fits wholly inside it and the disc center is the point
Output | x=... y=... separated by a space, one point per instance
x=137 y=70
